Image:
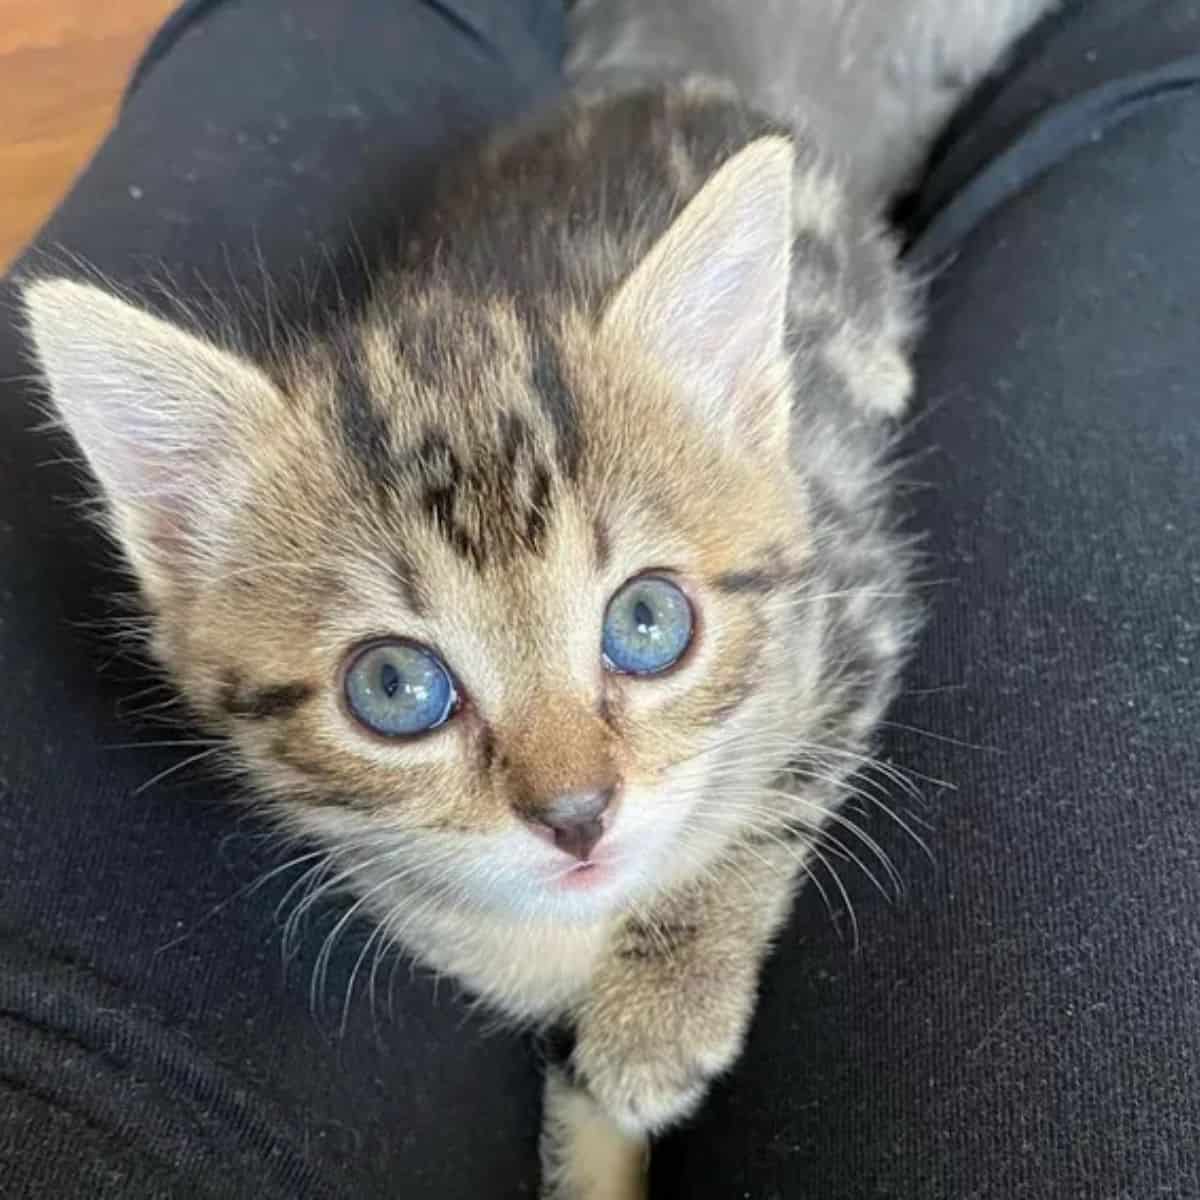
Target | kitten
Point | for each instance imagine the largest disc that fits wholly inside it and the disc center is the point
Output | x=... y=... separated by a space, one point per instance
x=555 y=588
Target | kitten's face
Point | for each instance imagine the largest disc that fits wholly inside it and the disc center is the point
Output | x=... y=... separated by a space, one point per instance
x=468 y=483
x=494 y=535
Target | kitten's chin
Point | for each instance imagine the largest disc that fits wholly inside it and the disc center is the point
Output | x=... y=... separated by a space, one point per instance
x=578 y=897
x=586 y=895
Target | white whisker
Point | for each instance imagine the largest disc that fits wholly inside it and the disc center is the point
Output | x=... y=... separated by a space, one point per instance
x=179 y=766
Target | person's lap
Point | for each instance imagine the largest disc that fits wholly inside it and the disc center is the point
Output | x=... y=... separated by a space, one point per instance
x=1020 y=1024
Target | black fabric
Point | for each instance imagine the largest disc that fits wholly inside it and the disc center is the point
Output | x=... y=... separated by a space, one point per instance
x=169 y=32
x=1058 y=99
x=1081 y=70
x=1021 y=1023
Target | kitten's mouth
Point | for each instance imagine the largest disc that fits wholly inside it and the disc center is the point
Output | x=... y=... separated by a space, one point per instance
x=584 y=876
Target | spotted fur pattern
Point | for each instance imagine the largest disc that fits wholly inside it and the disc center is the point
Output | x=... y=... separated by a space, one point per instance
x=476 y=458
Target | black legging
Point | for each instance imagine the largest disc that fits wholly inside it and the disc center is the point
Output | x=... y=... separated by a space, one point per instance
x=1022 y=1023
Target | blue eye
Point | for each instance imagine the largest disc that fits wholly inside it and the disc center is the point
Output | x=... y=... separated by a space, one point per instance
x=398 y=690
x=648 y=626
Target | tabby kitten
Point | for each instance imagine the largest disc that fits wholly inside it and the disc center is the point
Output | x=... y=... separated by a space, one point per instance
x=554 y=590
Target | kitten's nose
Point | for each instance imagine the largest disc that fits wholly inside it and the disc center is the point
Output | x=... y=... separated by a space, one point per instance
x=576 y=820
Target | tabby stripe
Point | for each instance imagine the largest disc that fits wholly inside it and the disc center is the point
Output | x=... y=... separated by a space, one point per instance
x=558 y=403
x=263 y=703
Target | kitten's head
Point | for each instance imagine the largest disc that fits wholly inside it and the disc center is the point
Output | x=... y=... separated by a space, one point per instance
x=492 y=584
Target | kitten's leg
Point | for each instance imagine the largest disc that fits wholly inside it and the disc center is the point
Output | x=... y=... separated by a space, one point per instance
x=584 y=1154
x=669 y=1006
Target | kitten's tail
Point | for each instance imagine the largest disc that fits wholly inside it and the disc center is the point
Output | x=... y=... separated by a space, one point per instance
x=873 y=80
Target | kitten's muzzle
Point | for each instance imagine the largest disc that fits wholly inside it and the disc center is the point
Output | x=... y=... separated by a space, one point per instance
x=574 y=822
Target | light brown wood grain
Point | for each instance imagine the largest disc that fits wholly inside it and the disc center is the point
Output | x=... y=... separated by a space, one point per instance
x=63 y=65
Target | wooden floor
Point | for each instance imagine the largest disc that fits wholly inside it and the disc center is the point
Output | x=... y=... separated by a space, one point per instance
x=63 y=64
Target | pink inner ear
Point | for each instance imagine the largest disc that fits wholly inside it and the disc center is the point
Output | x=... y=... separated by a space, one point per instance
x=149 y=462
x=708 y=301
x=170 y=525
x=153 y=408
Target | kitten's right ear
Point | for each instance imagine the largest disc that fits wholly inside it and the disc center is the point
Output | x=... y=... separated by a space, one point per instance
x=156 y=412
x=709 y=300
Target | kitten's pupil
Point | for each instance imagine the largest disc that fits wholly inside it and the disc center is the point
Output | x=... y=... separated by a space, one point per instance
x=389 y=679
x=643 y=615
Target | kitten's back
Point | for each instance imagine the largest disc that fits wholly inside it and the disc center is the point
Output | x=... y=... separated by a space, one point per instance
x=874 y=80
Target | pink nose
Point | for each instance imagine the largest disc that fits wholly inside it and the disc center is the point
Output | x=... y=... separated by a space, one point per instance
x=575 y=822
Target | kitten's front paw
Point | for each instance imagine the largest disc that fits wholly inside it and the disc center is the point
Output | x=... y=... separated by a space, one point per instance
x=649 y=1059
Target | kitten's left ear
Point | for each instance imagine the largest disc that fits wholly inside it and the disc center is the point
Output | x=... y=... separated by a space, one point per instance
x=160 y=416
x=709 y=301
